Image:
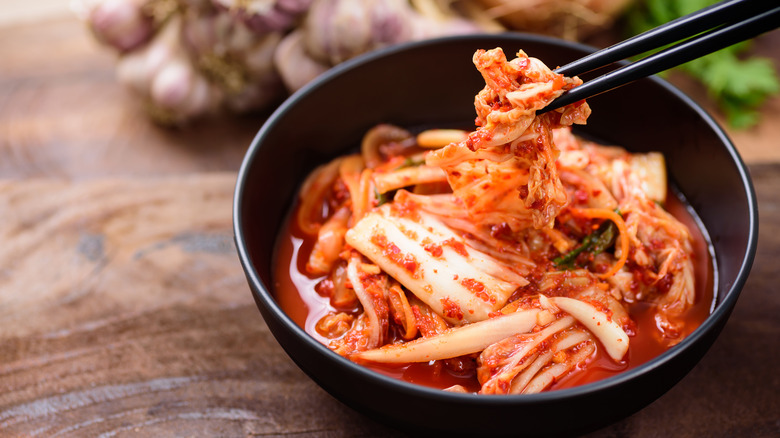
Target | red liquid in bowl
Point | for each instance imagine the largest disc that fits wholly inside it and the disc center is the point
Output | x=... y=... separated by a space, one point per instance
x=294 y=291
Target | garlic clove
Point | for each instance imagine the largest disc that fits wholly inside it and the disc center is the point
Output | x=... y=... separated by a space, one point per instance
x=172 y=85
x=258 y=59
x=203 y=98
x=294 y=65
x=138 y=68
x=263 y=16
x=121 y=24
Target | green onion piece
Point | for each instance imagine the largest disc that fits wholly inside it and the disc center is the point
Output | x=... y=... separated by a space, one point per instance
x=607 y=234
x=594 y=243
x=381 y=198
x=412 y=162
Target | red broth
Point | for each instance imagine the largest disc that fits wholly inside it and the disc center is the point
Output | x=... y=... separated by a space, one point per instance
x=294 y=290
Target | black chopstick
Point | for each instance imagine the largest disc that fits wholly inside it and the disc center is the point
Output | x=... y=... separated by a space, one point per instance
x=725 y=12
x=739 y=20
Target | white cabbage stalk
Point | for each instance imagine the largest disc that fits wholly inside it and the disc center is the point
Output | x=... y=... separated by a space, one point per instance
x=516 y=352
x=650 y=168
x=425 y=256
x=608 y=332
x=573 y=337
x=542 y=335
x=520 y=382
x=438 y=138
x=458 y=341
x=354 y=269
x=600 y=194
x=408 y=176
x=554 y=372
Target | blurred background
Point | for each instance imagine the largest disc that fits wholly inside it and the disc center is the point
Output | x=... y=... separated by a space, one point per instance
x=99 y=87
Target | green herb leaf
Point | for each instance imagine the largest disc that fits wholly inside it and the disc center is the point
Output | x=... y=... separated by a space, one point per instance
x=739 y=86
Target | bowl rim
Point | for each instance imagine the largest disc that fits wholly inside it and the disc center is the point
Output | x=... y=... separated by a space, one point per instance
x=262 y=292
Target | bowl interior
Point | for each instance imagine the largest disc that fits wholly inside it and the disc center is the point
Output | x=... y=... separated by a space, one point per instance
x=433 y=83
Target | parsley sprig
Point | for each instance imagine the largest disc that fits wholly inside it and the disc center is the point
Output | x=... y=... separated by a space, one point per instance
x=738 y=84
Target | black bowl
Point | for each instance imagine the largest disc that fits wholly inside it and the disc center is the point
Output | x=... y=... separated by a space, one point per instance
x=432 y=83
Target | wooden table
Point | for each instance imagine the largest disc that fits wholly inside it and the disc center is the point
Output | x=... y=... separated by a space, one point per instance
x=124 y=310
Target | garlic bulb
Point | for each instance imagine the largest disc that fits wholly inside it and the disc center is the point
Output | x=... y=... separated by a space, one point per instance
x=162 y=74
x=190 y=58
x=122 y=24
x=263 y=85
x=234 y=57
x=337 y=30
x=180 y=92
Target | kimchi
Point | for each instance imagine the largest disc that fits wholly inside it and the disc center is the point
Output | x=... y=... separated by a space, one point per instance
x=515 y=254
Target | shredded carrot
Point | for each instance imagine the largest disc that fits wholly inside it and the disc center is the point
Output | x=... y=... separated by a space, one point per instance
x=603 y=213
x=398 y=297
x=510 y=308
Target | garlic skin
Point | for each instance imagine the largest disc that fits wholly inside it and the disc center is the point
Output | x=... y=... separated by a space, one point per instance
x=264 y=86
x=190 y=58
x=162 y=74
x=571 y=19
x=121 y=24
x=235 y=58
x=294 y=64
x=337 y=30
x=426 y=27
x=264 y=16
x=179 y=90
x=138 y=68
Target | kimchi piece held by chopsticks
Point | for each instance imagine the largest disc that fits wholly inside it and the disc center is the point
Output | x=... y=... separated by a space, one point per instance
x=507 y=165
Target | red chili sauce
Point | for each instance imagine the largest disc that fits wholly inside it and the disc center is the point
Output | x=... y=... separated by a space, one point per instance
x=297 y=297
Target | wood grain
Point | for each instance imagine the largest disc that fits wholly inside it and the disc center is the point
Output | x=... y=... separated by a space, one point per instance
x=124 y=310
x=63 y=114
